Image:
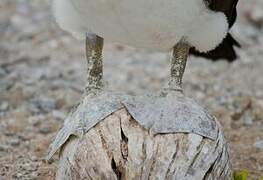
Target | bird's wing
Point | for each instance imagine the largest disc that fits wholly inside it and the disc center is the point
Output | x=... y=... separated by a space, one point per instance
x=228 y=7
x=226 y=49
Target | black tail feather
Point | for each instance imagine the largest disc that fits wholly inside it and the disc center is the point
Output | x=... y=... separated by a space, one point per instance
x=224 y=51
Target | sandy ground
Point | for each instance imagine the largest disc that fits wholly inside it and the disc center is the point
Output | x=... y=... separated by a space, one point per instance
x=42 y=75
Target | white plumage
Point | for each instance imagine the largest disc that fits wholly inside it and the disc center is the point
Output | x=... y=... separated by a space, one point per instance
x=151 y=24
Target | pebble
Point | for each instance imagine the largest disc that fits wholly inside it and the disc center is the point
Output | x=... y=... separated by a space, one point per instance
x=4 y=148
x=45 y=130
x=5 y=84
x=247 y=120
x=34 y=158
x=259 y=144
x=59 y=115
x=36 y=120
x=19 y=21
x=2 y=72
x=256 y=16
x=4 y=106
x=14 y=141
x=45 y=104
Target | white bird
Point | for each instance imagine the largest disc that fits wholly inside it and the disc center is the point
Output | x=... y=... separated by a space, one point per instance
x=154 y=24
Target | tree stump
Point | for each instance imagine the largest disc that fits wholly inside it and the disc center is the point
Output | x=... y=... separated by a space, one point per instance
x=119 y=148
x=165 y=136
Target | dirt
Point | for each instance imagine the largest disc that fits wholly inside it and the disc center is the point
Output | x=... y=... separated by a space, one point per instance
x=42 y=75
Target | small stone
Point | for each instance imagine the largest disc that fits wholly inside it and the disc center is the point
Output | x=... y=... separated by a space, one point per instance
x=4 y=148
x=45 y=130
x=256 y=16
x=247 y=120
x=45 y=104
x=2 y=72
x=19 y=21
x=18 y=175
x=16 y=96
x=58 y=115
x=259 y=144
x=34 y=158
x=5 y=85
x=53 y=44
x=4 y=106
x=14 y=142
x=35 y=120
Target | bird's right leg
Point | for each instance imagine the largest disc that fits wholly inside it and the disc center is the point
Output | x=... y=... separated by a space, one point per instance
x=94 y=46
x=178 y=64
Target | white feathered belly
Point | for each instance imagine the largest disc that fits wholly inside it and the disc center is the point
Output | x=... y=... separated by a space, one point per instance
x=153 y=24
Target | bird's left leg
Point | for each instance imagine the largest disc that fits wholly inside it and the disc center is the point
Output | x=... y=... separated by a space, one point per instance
x=94 y=46
x=178 y=64
x=172 y=111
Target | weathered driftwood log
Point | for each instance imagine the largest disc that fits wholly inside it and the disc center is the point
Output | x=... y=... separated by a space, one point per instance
x=119 y=148
x=160 y=136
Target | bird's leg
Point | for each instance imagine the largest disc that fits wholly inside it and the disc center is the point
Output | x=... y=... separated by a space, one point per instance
x=94 y=46
x=178 y=64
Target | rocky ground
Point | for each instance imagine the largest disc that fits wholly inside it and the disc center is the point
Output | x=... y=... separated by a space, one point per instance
x=42 y=75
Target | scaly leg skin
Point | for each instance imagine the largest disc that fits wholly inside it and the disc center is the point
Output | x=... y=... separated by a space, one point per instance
x=178 y=64
x=94 y=46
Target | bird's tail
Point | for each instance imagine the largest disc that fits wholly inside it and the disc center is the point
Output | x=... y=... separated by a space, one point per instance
x=224 y=51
